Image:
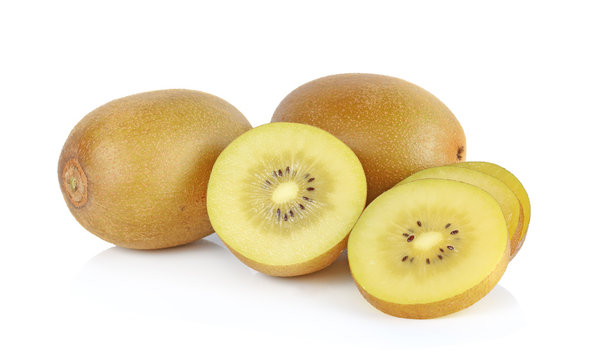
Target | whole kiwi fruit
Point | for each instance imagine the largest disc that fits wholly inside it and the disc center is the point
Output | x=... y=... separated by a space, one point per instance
x=396 y=128
x=134 y=171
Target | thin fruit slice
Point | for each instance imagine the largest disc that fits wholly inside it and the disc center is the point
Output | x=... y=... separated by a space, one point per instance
x=428 y=248
x=283 y=197
x=513 y=183
x=501 y=192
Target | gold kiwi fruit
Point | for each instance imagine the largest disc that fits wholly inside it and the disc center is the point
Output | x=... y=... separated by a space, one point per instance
x=428 y=248
x=396 y=128
x=283 y=198
x=134 y=171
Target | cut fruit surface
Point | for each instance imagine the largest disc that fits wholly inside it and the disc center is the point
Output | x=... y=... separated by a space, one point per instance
x=428 y=248
x=283 y=197
x=502 y=193
x=514 y=184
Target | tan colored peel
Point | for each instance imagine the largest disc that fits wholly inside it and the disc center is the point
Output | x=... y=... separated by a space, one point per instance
x=395 y=127
x=145 y=162
x=443 y=307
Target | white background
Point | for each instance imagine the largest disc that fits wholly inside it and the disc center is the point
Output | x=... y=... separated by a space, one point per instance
x=516 y=75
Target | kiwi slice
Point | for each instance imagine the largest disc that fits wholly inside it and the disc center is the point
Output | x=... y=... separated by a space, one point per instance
x=428 y=248
x=502 y=193
x=283 y=197
x=513 y=183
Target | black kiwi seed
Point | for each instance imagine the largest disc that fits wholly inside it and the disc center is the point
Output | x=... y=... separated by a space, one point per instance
x=285 y=217
x=404 y=258
x=311 y=179
x=310 y=189
x=440 y=249
x=280 y=172
x=302 y=207
x=455 y=232
x=428 y=261
x=287 y=170
x=410 y=238
x=291 y=213
x=279 y=213
x=306 y=198
x=274 y=173
x=447 y=226
x=450 y=247
x=268 y=182
x=405 y=235
x=440 y=257
x=419 y=223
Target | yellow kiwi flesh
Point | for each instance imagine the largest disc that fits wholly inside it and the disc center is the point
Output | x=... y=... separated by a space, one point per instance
x=514 y=184
x=283 y=198
x=396 y=128
x=428 y=248
x=134 y=171
x=502 y=193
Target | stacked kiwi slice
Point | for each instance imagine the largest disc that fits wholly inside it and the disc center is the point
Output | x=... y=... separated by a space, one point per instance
x=165 y=168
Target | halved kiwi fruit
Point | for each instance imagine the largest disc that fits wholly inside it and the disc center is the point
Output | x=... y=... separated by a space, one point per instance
x=502 y=193
x=428 y=248
x=513 y=183
x=283 y=198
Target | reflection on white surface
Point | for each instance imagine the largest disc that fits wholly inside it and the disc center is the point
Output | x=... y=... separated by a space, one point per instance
x=203 y=282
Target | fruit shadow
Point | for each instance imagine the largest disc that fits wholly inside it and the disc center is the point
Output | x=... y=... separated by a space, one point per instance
x=204 y=283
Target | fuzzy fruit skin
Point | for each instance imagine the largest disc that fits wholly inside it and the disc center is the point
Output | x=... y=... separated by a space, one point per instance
x=147 y=159
x=446 y=306
x=396 y=128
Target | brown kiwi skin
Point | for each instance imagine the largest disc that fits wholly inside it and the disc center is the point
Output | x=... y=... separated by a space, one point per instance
x=146 y=159
x=445 y=306
x=396 y=128
x=307 y=267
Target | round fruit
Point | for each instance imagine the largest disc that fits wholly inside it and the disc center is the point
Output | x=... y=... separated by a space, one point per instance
x=502 y=193
x=134 y=171
x=283 y=198
x=428 y=248
x=396 y=128
x=514 y=184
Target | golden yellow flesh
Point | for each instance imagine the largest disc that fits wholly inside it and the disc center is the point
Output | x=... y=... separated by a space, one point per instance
x=285 y=193
x=463 y=235
x=501 y=192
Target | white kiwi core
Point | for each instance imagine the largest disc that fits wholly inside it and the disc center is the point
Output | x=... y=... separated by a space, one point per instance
x=428 y=240
x=285 y=192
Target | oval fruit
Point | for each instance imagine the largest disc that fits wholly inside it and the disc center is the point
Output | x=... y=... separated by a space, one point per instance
x=428 y=248
x=134 y=171
x=396 y=128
